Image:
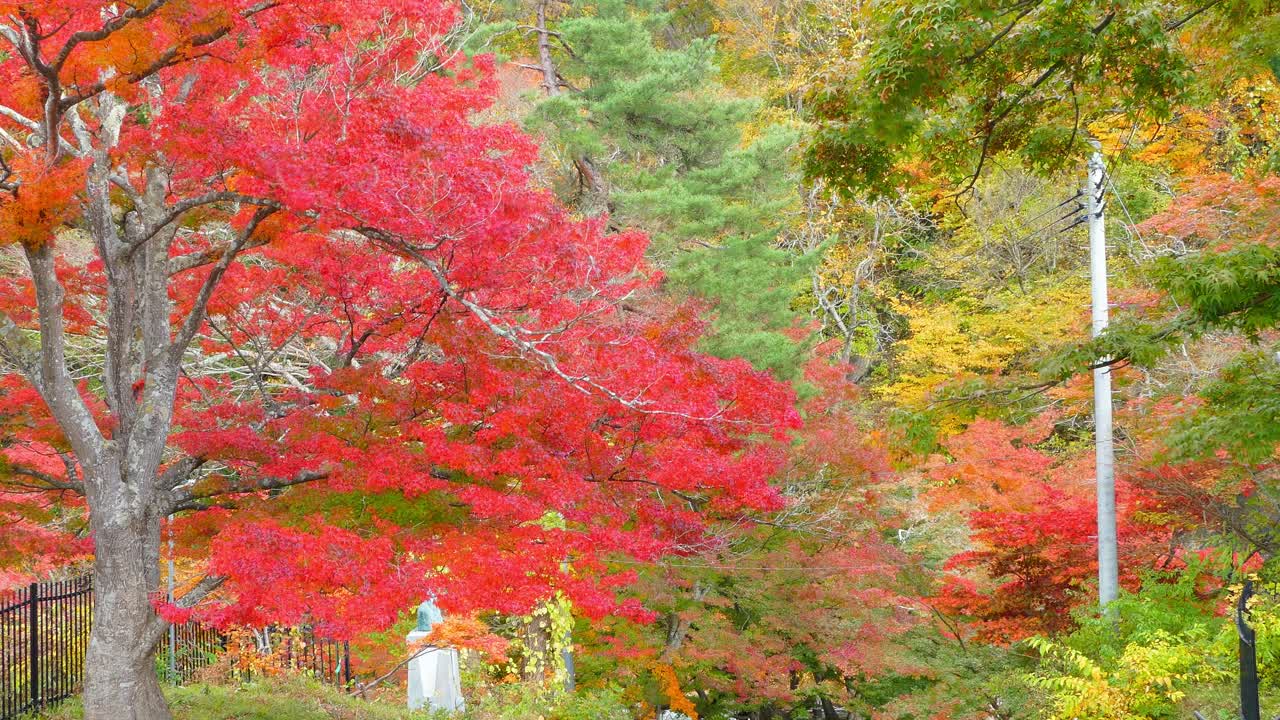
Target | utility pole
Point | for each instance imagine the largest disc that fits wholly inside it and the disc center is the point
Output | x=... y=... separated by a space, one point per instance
x=173 y=629
x=1104 y=463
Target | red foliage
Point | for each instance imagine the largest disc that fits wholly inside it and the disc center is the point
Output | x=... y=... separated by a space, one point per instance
x=784 y=600
x=488 y=395
x=1218 y=210
x=1033 y=520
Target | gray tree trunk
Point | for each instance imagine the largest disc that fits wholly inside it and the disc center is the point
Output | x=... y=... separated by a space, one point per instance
x=119 y=472
x=120 y=673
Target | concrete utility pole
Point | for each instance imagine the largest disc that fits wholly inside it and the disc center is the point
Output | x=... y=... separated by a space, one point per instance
x=173 y=629
x=1108 y=567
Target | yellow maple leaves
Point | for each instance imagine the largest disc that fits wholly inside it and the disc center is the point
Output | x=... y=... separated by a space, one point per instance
x=965 y=337
x=1231 y=130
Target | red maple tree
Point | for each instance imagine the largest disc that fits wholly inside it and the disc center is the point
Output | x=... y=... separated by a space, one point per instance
x=790 y=607
x=1032 y=518
x=275 y=279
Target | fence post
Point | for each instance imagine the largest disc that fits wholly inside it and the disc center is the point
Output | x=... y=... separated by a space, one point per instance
x=1248 y=656
x=33 y=596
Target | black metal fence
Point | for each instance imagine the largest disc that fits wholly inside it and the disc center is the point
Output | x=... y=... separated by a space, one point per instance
x=194 y=647
x=327 y=660
x=44 y=633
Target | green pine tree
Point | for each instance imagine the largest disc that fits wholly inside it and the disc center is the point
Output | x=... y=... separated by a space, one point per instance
x=644 y=131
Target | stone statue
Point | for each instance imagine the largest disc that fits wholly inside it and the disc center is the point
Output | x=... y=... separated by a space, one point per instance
x=434 y=676
x=429 y=616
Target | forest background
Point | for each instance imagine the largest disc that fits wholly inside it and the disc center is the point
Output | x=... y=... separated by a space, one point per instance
x=878 y=205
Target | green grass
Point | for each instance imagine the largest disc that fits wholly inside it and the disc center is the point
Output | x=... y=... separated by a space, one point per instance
x=292 y=699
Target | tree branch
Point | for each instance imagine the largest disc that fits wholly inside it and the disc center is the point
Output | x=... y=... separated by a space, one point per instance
x=56 y=385
x=1000 y=35
x=177 y=473
x=17 y=351
x=1013 y=104
x=186 y=499
x=158 y=625
x=202 y=590
x=19 y=118
x=1194 y=14
x=108 y=28
x=52 y=482
x=192 y=324
x=177 y=211
x=172 y=56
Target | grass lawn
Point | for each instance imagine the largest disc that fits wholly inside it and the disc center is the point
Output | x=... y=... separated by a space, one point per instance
x=281 y=700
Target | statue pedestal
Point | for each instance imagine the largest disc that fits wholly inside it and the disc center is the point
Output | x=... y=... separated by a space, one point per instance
x=434 y=680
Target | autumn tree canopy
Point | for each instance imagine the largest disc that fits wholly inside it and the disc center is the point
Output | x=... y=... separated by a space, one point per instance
x=738 y=350
x=271 y=265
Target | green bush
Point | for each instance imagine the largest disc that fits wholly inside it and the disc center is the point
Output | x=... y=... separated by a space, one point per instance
x=520 y=702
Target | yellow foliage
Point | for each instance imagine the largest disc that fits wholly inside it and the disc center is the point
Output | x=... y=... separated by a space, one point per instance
x=840 y=266
x=1192 y=143
x=964 y=337
x=783 y=47
x=766 y=118
x=1146 y=680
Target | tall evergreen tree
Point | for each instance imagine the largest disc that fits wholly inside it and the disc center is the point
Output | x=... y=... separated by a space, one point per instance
x=644 y=132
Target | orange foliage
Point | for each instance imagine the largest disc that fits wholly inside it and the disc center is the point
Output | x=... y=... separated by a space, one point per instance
x=1218 y=210
x=245 y=656
x=1191 y=143
x=468 y=633
x=992 y=467
x=666 y=676
x=43 y=201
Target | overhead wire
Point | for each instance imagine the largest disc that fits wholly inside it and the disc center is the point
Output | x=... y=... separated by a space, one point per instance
x=1132 y=226
x=1055 y=207
x=1074 y=212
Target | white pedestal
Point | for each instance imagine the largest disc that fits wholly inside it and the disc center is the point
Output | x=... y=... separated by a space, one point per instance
x=434 y=680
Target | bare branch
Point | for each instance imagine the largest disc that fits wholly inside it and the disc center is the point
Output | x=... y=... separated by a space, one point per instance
x=207 y=585
x=196 y=318
x=177 y=473
x=186 y=499
x=48 y=482
x=361 y=689
x=158 y=625
x=1194 y=14
x=19 y=118
x=178 y=209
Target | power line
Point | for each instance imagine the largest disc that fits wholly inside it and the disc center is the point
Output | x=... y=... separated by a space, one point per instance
x=1123 y=206
x=775 y=568
x=1055 y=207
x=1072 y=213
